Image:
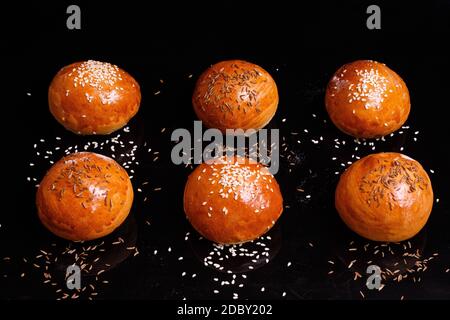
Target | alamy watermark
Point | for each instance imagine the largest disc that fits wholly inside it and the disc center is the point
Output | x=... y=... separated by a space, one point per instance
x=374 y=280
x=73 y=21
x=73 y=277
x=261 y=145
x=374 y=20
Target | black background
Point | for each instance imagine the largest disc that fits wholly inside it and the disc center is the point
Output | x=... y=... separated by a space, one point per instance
x=301 y=45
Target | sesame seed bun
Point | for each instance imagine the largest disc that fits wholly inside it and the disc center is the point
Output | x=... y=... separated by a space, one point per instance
x=366 y=99
x=93 y=97
x=235 y=94
x=232 y=200
x=385 y=197
x=84 y=196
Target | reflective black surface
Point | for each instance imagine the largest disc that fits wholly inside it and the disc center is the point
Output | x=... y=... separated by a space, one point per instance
x=156 y=254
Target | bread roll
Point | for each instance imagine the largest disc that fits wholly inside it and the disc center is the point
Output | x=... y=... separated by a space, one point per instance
x=84 y=196
x=232 y=200
x=385 y=197
x=366 y=99
x=235 y=94
x=93 y=97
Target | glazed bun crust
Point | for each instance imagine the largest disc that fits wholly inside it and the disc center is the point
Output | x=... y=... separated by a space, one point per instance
x=366 y=99
x=235 y=94
x=93 y=97
x=232 y=200
x=385 y=197
x=84 y=196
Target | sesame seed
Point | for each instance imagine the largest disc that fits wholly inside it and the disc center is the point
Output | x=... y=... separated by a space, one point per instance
x=96 y=74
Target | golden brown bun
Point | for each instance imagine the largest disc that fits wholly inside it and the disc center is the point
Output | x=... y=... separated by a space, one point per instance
x=232 y=200
x=366 y=99
x=84 y=196
x=93 y=97
x=235 y=94
x=385 y=197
